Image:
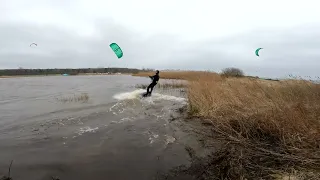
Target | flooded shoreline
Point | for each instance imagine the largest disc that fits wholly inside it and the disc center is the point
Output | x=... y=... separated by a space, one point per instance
x=114 y=135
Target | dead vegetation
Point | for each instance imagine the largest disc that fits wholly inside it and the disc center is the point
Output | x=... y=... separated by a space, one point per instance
x=165 y=85
x=83 y=97
x=184 y=75
x=9 y=173
x=10 y=178
x=270 y=129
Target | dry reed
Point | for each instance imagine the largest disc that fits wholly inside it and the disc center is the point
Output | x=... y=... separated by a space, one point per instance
x=165 y=85
x=184 y=75
x=273 y=126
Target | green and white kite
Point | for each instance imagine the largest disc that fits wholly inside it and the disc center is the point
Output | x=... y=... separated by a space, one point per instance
x=116 y=49
x=257 y=51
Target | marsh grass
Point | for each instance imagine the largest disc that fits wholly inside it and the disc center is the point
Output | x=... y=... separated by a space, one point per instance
x=168 y=85
x=83 y=97
x=271 y=126
x=269 y=129
x=184 y=75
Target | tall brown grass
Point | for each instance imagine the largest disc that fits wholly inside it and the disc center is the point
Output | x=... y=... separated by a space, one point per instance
x=267 y=127
x=184 y=75
x=165 y=85
x=276 y=125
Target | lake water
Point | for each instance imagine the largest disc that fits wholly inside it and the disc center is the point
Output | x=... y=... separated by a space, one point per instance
x=116 y=134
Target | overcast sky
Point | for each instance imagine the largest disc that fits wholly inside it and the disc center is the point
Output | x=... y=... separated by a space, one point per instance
x=163 y=34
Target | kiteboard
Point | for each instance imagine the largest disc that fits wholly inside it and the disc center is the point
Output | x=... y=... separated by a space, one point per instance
x=146 y=95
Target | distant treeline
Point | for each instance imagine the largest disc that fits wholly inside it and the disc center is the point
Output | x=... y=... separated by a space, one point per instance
x=22 y=72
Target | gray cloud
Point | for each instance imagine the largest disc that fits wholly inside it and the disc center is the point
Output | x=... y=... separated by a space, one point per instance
x=286 y=51
x=62 y=48
x=200 y=35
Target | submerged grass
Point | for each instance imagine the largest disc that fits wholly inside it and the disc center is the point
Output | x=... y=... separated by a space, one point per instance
x=83 y=97
x=270 y=129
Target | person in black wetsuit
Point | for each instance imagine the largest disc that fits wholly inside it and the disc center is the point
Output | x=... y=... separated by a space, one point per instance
x=155 y=80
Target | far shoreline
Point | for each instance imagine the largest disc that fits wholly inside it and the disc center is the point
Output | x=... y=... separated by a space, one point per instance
x=81 y=74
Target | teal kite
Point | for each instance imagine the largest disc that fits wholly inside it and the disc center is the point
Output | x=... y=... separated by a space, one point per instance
x=116 y=49
x=257 y=51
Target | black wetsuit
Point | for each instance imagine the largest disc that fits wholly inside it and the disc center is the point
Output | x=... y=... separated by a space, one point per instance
x=155 y=80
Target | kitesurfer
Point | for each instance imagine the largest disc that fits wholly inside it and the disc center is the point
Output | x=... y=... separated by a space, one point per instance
x=154 y=82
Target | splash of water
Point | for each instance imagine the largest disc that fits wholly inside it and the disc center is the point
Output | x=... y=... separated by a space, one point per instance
x=137 y=94
x=129 y=95
x=87 y=129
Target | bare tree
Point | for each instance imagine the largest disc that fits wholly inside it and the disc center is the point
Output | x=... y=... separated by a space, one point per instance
x=232 y=72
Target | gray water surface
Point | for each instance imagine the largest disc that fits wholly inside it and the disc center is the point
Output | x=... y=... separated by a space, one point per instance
x=102 y=138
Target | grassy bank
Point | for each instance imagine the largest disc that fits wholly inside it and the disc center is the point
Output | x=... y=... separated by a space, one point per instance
x=269 y=129
x=184 y=75
x=165 y=85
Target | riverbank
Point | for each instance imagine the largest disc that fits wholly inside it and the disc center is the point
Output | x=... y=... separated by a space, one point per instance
x=267 y=129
